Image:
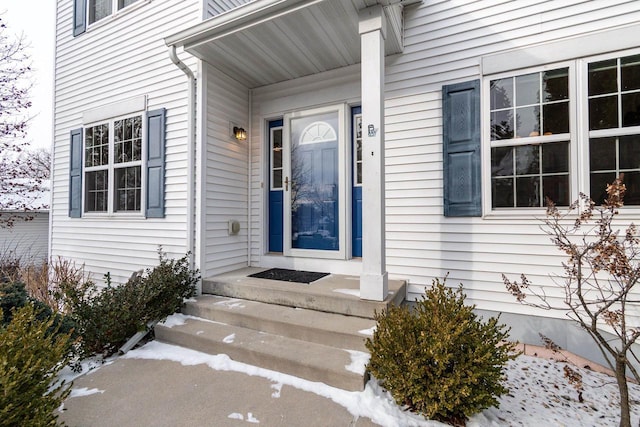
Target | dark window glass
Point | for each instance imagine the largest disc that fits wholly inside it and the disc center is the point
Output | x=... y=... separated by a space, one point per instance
x=128 y=188
x=502 y=192
x=96 y=189
x=502 y=125
x=603 y=112
x=556 y=188
x=555 y=85
x=603 y=77
x=502 y=161
x=602 y=154
x=631 y=109
x=555 y=157
x=630 y=71
x=528 y=192
x=555 y=118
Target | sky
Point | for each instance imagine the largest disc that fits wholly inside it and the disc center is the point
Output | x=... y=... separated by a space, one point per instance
x=36 y=21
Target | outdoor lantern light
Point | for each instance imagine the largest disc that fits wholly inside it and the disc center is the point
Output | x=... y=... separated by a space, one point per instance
x=239 y=133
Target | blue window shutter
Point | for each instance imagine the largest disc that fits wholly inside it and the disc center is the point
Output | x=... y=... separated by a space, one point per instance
x=461 y=149
x=75 y=174
x=154 y=201
x=79 y=17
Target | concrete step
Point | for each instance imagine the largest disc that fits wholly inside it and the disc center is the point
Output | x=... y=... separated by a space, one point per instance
x=336 y=330
x=334 y=293
x=311 y=361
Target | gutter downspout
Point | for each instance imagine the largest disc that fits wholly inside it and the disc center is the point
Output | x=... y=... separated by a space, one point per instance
x=191 y=140
x=249 y=176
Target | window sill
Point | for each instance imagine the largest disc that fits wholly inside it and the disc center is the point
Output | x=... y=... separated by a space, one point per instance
x=625 y=213
x=114 y=216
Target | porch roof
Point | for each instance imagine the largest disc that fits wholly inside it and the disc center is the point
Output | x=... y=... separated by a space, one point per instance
x=269 y=41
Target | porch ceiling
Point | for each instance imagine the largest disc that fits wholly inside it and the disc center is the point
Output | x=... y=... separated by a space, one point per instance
x=270 y=41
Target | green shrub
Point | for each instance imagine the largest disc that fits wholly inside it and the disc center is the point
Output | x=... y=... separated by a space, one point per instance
x=13 y=295
x=108 y=317
x=440 y=359
x=30 y=358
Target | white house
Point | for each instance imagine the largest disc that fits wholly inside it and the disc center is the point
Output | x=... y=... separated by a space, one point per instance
x=24 y=225
x=400 y=138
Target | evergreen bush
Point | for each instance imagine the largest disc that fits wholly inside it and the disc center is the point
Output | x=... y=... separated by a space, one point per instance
x=32 y=352
x=108 y=317
x=440 y=359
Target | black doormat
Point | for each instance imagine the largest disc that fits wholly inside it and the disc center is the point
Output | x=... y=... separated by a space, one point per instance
x=289 y=275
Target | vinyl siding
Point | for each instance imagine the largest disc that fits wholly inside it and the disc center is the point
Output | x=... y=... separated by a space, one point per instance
x=26 y=240
x=226 y=184
x=216 y=7
x=116 y=59
x=445 y=42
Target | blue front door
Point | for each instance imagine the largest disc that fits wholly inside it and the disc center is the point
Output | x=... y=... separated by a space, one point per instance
x=275 y=186
x=314 y=182
x=356 y=179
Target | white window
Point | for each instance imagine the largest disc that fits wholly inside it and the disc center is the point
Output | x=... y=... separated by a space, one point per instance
x=540 y=122
x=113 y=165
x=99 y=9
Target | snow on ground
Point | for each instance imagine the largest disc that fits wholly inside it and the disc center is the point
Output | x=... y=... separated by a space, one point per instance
x=84 y=391
x=539 y=394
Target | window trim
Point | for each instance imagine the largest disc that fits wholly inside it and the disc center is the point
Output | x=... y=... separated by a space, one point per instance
x=578 y=125
x=111 y=169
x=487 y=143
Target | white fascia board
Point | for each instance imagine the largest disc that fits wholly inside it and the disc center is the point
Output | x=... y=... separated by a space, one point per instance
x=579 y=46
x=236 y=20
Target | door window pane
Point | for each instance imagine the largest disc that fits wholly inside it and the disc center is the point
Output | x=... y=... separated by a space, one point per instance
x=315 y=182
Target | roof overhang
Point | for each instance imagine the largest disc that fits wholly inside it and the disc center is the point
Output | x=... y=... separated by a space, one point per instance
x=269 y=41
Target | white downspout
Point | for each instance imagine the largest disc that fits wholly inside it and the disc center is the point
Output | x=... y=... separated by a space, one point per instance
x=249 y=176
x=191 y=140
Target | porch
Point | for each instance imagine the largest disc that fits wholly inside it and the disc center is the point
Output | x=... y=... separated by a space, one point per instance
x=292 y=74
x=315 y=331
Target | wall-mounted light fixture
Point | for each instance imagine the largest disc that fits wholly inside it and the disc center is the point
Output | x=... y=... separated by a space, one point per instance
x=239 y=133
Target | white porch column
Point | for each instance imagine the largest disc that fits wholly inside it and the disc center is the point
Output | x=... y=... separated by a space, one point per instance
x=373 y=281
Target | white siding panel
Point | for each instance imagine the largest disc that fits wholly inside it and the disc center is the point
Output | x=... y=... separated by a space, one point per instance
x=226 y=187
x=216 y=7
x=26 y=240
x=445 y=42
x=119 y=58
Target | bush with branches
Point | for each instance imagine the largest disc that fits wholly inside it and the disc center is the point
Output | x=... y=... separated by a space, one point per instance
x=600 y=280
x=106 y=318
x=440 y=359
x=32 y=352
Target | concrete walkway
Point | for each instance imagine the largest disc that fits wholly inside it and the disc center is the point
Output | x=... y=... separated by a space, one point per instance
x=137 y=392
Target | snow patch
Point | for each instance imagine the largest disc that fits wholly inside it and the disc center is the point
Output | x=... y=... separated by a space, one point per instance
x=231 y=303
x=359 y=361
x=199 y=332
x=278 y=389
x=352 y=292
x=250 y=418
x=229 y=339
x=84 y=391
x=368 y=332
x=177 y=319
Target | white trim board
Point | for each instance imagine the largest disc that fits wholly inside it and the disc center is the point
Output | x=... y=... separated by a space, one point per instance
x=572 y=48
